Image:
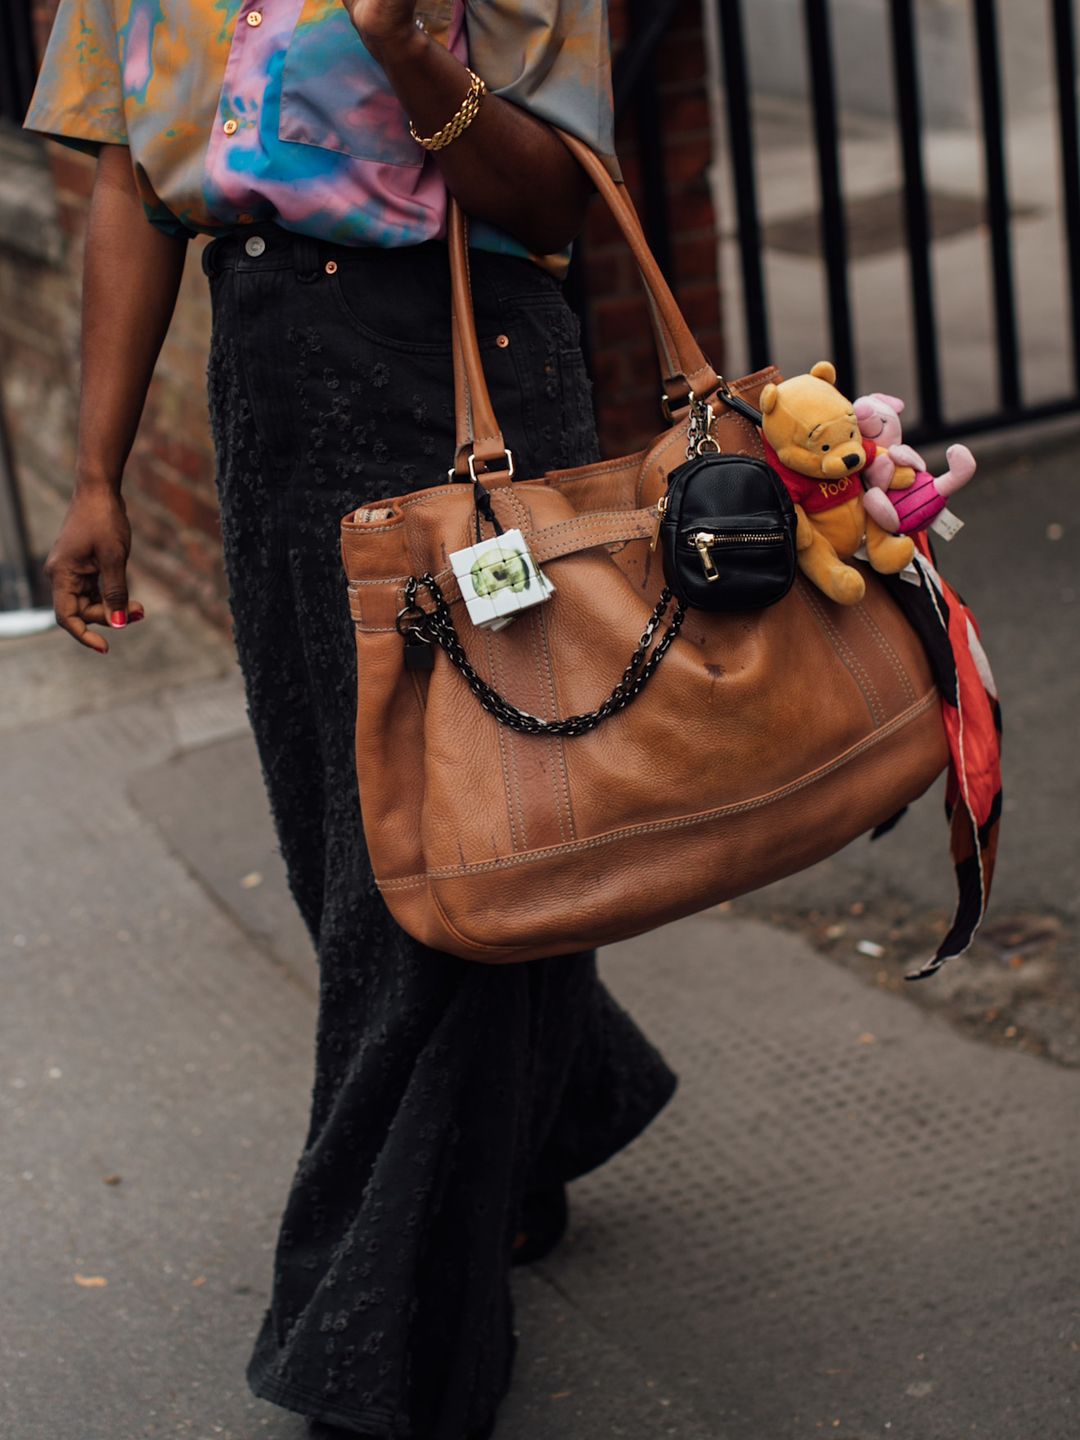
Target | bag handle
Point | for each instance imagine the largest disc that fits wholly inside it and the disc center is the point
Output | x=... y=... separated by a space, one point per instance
x=481 y=448
x=681 y=357
x=479 y=440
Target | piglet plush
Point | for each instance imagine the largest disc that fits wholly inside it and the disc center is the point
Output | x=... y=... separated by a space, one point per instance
x=901 y=494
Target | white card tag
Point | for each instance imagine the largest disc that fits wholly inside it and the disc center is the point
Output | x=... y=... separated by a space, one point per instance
x=498 y=579
x=946 y=525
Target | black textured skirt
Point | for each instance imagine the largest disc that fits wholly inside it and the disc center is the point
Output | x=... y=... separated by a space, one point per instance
x=444 y=1090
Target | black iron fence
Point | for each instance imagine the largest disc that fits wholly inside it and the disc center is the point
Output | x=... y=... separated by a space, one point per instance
x=637 y=93
x=903 y=20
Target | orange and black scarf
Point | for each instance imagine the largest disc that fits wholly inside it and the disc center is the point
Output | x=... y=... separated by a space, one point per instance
x=972 y=713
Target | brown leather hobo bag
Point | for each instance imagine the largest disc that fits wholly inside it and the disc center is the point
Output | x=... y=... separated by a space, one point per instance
x=762 y=743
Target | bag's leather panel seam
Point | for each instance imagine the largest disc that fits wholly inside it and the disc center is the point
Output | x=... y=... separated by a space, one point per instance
x=506 y=755
x=542 y=655
x=845 y=654
x=682 y=822
x=887 y=648
x=582 y=524
x=557 y=741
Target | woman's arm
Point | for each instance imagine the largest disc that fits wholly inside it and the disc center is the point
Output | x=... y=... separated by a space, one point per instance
x=130 y=278
x=507 y=168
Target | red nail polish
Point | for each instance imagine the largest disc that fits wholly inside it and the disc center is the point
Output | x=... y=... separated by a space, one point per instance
x=118 y=619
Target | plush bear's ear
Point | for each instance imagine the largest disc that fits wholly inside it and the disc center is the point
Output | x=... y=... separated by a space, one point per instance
x=892 y=401
x=825 y=370
x=768 y=398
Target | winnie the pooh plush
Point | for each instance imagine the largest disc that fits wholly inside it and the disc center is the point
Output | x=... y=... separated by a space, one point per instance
x=812 y=441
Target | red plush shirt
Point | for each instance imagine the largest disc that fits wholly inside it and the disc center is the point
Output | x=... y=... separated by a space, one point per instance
x=819 y=494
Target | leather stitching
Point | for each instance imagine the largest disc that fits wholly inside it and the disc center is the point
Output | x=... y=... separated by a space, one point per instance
x=847 y=656
x=584 y=524
x=641 y=521
x=887 y=648
x=509 y=762
x=653 y=459
x=546 y=546
x=557 y=740
x=542 y=663
x=542 y=658
x=511 y=502
x=683 y=822
x=559 y=478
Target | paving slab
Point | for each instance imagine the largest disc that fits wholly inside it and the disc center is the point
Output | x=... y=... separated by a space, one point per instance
x=155 y=1070
x=848 y=1214
x=852 y=1221
x=208 y=803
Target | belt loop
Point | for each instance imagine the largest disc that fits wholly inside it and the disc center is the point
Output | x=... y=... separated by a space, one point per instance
x=306 y=258
x=208 y=258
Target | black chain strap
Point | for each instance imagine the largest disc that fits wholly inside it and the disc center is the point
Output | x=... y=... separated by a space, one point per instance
x=437 y=627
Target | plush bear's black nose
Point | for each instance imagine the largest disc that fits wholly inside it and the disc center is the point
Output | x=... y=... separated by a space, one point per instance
x=851 y=461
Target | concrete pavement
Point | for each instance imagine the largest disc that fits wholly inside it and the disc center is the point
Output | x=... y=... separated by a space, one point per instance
x=855 y=1219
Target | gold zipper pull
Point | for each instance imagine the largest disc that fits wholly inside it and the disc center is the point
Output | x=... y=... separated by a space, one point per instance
x=661 y=511
x=702 y=541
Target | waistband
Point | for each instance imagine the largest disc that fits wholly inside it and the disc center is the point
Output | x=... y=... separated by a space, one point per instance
x=268 y=246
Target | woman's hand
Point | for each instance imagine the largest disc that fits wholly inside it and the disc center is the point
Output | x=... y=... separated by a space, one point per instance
x=382 y=23
x=508 y=168
x=87 y=567
x=131 y=274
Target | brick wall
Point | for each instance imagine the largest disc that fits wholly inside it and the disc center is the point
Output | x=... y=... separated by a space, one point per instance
x=624 y=361
x=169 y=483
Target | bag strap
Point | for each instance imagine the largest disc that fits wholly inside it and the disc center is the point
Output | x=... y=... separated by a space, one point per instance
x=479 y=440
x=680 y=355
x=481 y=448
x=374 y=609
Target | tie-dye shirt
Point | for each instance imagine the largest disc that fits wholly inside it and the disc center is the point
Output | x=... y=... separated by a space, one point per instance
x=239 y=111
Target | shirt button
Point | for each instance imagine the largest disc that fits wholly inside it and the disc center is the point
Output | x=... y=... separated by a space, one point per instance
x=255 y=18
x=255 y=245
x=231 y=126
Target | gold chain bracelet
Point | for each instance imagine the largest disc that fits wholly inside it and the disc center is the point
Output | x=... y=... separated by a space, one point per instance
x=459 y=123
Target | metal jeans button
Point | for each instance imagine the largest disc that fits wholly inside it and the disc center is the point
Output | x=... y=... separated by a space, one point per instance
x=255 y=245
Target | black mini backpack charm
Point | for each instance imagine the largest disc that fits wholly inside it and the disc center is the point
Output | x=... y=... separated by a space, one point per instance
x=727 y=529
